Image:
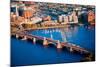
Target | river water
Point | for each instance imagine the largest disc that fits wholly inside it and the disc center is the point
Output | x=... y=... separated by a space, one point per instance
x=27 y=53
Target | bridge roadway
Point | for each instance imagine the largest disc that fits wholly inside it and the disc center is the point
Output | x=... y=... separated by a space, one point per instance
x=67 y=45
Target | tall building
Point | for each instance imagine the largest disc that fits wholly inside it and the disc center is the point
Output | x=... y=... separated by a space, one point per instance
x=66 y=19
x=14 y=9
x=63 y=18
x=75 y=19
x=60 y=18
x=91 y=17
x=27 y=13
x=20 y=11
x=13 y=17
x=70 y=18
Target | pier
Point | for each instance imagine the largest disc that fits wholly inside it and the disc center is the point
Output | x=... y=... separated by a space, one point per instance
x=48 y=41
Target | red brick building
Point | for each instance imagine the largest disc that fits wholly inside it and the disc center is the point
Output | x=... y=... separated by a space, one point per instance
x=91 y=17
x=27 y=12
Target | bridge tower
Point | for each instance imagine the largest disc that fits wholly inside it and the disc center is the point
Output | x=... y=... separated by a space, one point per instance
x=17 y=36
x=24 y=38
x=71 y=49
x=45 y=42
x=34 y=40
x=59 y=46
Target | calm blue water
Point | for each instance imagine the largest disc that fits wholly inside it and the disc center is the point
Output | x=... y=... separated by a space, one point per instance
x=26 y=53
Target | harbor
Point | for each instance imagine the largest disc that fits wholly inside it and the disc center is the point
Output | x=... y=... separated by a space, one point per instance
x=42 y=34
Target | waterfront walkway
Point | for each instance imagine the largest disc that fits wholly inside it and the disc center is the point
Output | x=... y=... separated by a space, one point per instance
x=45 y=26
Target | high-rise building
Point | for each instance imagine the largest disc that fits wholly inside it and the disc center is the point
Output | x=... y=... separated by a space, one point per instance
x=91 y=17
x=13 y=17
x=60 y=18
x=66 y=19
x=14 y=9
x=20 y=11
x=70 y=18
x=27 y=13
x=75 y=19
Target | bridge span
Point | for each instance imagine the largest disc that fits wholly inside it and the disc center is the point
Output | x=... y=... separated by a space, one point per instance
x=48 y=41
